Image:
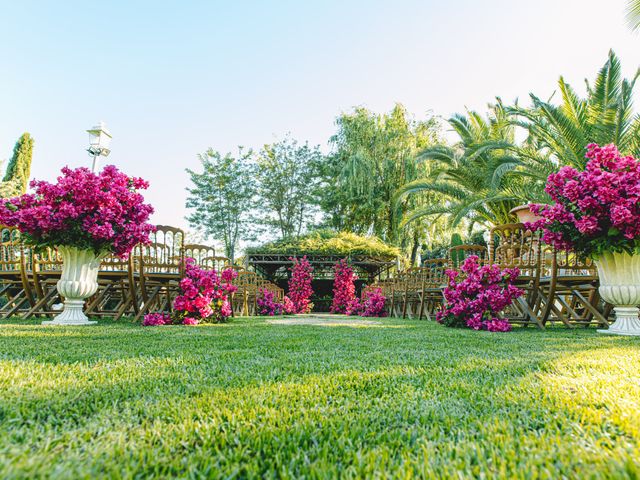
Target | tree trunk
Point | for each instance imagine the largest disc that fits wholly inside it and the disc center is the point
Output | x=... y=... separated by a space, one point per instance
x=414 y=248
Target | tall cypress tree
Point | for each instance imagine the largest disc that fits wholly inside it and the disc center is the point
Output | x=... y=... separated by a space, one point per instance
x=16 y=178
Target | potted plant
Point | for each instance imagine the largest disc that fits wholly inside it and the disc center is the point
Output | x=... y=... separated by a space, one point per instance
x=85 y=216
x=597 y=214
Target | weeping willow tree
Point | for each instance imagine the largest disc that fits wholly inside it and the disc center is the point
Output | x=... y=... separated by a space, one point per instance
x=373 y=156
x=563 y=130
x=16 y=177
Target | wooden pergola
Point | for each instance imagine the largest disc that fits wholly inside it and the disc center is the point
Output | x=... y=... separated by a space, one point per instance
x=275 y=266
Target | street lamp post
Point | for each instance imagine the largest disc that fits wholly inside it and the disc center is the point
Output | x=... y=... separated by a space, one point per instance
x=99 y=140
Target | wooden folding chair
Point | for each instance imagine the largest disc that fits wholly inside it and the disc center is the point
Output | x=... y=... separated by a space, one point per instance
x=457 y=255
x=117 y=293
x=512 y=246
x=202 y=254
x=435 y=280
x=569 y=291
x=161 y=267
x=15 y=266
x=46 y=271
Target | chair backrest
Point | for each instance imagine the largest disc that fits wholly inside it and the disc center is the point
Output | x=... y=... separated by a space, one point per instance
x=436 y=272
x=569 y=264
x=512 y=246
x=48 y=260
x=164 y=255
x=202 y=254
x=459 y=253
x=14 y=256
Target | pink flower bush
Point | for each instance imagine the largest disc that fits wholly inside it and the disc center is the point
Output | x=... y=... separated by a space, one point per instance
x=267 y=304
x=595 y=210
x=99 y=211
x=204 y=295
x=373 y=304
x=300 y=290
x=344 y=290
x=156 y=319
x=476 y=300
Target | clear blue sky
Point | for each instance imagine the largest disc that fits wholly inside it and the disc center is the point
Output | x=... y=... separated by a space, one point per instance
x=171 y=79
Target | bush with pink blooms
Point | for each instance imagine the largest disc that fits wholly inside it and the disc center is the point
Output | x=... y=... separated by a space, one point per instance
x=267 y=304
x=300 y=290
x=204 y=295
x=104 y=212
x=476 y=295
x=596 y=210
x=344 y=289
x=373 y=304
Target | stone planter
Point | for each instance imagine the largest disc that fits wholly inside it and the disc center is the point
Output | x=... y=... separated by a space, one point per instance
x=524 y=214
x=620 y=286
x=79 y=280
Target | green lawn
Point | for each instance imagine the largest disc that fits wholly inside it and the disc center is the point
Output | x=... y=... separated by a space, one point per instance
x=251 y=399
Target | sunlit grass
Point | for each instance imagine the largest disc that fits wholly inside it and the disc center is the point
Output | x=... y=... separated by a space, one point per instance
x=251 y=399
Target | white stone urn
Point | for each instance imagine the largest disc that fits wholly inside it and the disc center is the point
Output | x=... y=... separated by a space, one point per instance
x=79 y=280
x=620 y=286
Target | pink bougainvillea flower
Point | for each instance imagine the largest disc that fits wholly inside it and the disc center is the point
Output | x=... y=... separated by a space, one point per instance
x=476 y=298
x=100 y=211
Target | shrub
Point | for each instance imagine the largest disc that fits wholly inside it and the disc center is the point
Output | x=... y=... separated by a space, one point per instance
x=300 y=290
x=329 y=242
x=204 y=297
x=267 y=304
x=344 y=290
x=476 y=300
x=374 y=304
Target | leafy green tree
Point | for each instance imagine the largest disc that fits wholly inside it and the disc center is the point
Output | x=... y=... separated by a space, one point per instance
x=287 y=183
x=223 y=198
x=562 y=131
x=373 y=156
x=16 y=177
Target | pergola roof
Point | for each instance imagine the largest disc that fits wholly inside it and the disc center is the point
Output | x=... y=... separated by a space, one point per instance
x=276 y=266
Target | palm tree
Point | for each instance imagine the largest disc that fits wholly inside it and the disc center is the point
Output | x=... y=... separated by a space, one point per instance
x=605 y=116
x=473 y=177
x=633 y=14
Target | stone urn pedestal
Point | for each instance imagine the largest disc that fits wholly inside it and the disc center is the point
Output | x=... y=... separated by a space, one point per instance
x=79 y=281
x=620 y=286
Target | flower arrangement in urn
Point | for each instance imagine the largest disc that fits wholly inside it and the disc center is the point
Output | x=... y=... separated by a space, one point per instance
x=596 y=213
x=85 y=216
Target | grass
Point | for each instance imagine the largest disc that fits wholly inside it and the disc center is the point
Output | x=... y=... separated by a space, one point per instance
x=248 y=399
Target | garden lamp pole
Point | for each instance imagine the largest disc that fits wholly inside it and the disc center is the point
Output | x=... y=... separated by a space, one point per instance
x=99 y=140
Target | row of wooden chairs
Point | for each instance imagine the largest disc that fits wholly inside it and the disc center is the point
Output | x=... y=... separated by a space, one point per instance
x=147 y=281
x=250 y=289
x=559 y=286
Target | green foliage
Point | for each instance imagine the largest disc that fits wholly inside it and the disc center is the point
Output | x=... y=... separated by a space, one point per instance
x=16 y=177
x=374 y=155
x=471 y=175
x=329 y=242
x=286 y=185
x=248 y=399
x=223 y=198
x=456 y=240
x=633 y=14
x=604 y=116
